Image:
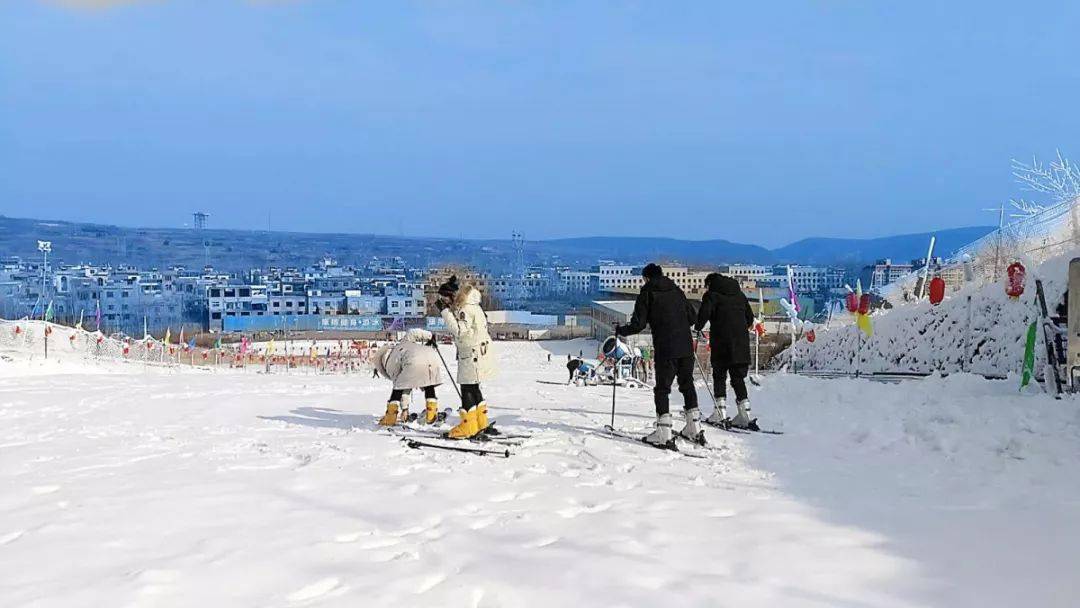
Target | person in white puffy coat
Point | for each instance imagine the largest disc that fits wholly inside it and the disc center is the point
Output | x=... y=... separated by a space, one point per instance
x=410 y=364
x=467 y=323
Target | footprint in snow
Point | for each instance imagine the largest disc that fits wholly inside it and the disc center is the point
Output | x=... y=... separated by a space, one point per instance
x=541 y=542
x=314 y=590
x=11 y=537
x=40 y=490
x=586 y=509
x=480 y=524
x=430 y=582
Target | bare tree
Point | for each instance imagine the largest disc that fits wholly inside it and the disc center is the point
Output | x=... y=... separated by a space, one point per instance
x=1060 y=179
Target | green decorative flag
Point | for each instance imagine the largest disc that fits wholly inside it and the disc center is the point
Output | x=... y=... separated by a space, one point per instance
x=1029 y=357
x=49 y=312
x=217 y=344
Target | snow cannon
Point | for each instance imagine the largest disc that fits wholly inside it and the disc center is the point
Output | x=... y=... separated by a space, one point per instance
x=616 y=349
x=588 y=365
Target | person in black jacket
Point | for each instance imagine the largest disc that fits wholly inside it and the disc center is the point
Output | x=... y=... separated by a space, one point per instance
x=730 y=319
x=663 y=307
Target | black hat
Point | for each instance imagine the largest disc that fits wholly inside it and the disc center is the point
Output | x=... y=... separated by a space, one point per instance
x=450 y=288
x=712 y=281
x=652 y=271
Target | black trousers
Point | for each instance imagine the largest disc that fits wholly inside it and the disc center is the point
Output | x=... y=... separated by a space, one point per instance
x=429 y=393
x=668 y=370
x=470 y=396
x=738 y=380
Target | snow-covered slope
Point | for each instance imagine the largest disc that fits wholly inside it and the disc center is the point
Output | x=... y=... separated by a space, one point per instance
x=132 y=486
x=978 y=329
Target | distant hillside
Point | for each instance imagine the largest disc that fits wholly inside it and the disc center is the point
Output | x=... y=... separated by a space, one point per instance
x=904 y=247
x=75 y=242
x=645 y=248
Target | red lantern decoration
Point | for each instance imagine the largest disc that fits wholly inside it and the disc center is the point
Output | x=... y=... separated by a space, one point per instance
x=100 y=339
x=48 y=331
x=71 y=338
x=18 y=330
x=1014 y=286
x=127 y=349
x=205 y=355
x=864 y=304
x=937 y=290
x=852 y=302
x=811 y=336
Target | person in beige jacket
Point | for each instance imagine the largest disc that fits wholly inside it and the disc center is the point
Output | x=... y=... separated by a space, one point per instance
x=467 y=323
x=410 y=364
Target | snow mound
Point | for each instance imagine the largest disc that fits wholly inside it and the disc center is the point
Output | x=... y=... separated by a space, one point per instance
x=978 y=329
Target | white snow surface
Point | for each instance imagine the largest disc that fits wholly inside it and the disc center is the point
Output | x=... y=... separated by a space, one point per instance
x=132 y=486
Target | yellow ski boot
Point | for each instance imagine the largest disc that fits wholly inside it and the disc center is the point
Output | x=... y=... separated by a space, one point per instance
x=481 y=417
x=431 y=411
x=390 y=418
x=467 y=427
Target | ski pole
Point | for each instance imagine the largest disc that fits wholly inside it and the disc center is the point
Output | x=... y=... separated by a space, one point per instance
x=705 y=379
x=435 y=344
x=614 y=380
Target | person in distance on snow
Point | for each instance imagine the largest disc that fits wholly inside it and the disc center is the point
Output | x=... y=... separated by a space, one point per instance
x=410 y=364
x=467 y=323
x=728 y=313
x=663 y=307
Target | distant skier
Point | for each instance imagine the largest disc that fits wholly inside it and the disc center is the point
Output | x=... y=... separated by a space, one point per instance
x=410 y=364
x=572 y=366
x=728 y=313
x=663 y=307
x=467 y=323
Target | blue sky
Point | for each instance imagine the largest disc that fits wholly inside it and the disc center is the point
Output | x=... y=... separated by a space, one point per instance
x=755 y=122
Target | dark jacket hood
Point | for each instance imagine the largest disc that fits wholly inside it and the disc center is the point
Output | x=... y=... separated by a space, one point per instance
x=661 y=284
x=722 y=285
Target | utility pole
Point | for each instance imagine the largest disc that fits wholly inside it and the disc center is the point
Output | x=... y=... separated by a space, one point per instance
x=1000 y=236
x=44 y=247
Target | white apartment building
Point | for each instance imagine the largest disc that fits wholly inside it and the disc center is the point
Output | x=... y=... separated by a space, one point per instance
x=579 y=281
x=628 y=279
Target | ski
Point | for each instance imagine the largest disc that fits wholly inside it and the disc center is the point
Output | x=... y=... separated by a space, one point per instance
x=613 y=432
x=726 y=426
x=697 y=444
x=417 y=444
x=553 y=382
x=1051 y=355
x=406 y=431
x=491 y=431
x=754 y=428
x=439 y=418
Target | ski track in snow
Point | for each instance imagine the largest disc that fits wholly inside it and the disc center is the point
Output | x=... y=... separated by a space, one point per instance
x=177 y=488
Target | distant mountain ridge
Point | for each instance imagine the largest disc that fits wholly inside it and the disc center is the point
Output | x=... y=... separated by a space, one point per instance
x=816 y=250
x=75 y=242
x=901 y=247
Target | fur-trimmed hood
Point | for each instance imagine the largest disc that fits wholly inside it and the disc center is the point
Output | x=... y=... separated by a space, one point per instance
x=468 y=294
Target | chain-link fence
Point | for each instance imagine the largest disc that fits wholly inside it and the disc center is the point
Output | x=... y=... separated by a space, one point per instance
x=42 y=340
